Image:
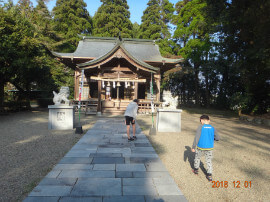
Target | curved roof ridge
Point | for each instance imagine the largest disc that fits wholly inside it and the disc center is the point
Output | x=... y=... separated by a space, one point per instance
x=118 y=45
x=138 y=60
x=99 y=58
x=116 y=38
x=62 y=55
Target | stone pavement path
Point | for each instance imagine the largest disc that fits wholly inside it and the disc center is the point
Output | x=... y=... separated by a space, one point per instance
x=104 y=167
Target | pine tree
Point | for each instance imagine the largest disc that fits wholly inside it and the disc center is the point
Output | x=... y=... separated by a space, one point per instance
x=192 y=33
x=151 y=21
x=26 y=8
x=112 y=18
x=70 y=19
x=244 y=51
x=166 y=14
x=155 y=20
x=155 y=25
x=135 y=30
x=43 y=22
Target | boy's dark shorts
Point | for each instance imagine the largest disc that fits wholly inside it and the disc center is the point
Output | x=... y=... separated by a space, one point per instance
x=129 y=120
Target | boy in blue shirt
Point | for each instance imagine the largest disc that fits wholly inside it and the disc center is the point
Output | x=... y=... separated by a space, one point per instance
x=204 y=141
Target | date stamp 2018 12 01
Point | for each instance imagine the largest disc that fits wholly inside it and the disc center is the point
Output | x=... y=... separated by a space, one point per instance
x=234 y=184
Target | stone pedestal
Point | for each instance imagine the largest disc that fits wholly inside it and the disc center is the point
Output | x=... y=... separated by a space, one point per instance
x=61 y=117
x=168 y=120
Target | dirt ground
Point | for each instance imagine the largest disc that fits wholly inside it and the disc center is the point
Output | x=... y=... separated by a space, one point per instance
x=241 y=155
x=29 y=151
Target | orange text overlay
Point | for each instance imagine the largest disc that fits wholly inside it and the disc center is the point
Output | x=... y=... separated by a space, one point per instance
x=234 y=184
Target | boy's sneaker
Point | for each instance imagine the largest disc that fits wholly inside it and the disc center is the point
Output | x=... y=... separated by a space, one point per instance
x=130 y=139
x=195 y=171
x=209 y=177
x=134 y=137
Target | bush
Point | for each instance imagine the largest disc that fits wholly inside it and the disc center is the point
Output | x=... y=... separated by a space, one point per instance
x=16 y=105
x=44 y=102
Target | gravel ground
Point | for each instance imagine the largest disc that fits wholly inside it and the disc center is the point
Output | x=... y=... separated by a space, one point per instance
x=241 y=155
x=29 y=151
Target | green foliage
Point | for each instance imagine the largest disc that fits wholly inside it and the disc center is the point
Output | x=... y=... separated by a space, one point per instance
x=71 y=18
x=167 y=47
x=135 y=30
x=155 y=20
x=155 y=25
x=193 y=34
x=239 y=101
x=227 y=44
x=245 y=42
x=112 y=18
x=24 y=58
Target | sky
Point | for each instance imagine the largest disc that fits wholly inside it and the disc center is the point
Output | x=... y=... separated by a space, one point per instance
x=136 y=7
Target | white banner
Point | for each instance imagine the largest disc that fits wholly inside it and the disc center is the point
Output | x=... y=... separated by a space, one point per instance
x=81 y=88
x=152 y=95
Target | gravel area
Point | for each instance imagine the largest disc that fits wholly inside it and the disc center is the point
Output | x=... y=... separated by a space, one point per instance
x=241 y=155
x=29 y=151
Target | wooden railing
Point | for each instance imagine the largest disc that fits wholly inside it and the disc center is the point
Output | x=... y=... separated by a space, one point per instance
x=145 y=107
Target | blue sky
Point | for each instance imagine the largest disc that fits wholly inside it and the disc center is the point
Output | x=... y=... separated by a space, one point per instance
x=136 y=7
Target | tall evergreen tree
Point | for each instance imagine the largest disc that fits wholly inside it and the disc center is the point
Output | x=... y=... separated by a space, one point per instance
x=135 y=30
x=244 y=42
x=112 y=18
x=193 y=33
x=43 y=22
x=155 y=20
x=155 y=24
x=152 y=24
x=166 y=14
x=70 y=19
x=26 y=8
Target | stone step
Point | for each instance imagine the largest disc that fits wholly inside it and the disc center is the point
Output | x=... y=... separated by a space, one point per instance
x=90 y=113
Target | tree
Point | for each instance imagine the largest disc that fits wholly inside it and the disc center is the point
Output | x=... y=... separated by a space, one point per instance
x=244 y=43
x=193 y=32
x=70 y=19
x=24 y=59
x=166 y=14
x=26 y=8
x=155 y=20
x=112 y=18
x=20 y=52
x=42 y=20
x=135 y=30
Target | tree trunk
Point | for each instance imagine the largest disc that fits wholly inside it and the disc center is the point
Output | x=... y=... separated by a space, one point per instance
x=239 y=112
x=2 y=93
x=196 y=71
x=207 y=96
x=184 y=94
x=23 y=94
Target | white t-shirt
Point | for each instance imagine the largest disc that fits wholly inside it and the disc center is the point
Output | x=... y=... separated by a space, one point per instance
x=131 y=110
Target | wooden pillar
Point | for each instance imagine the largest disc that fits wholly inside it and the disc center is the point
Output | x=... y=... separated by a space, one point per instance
x=117 y=92
x=136 y=91
x=157 y=79
x=99 y=96
x=76 y=84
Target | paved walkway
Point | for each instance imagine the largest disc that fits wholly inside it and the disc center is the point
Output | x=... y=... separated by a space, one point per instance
x=104 y=167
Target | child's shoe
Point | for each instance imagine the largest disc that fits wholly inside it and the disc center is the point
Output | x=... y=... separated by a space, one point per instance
x=134 y=137
x=195 y=171
x=209 y=177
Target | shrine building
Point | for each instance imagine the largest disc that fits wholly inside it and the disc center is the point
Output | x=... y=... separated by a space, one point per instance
x=117 y=71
